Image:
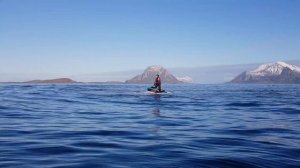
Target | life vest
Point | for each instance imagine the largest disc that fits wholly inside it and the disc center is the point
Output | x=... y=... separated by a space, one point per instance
x=157 y=81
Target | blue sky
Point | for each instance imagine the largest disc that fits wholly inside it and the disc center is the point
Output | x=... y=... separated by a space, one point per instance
x=94 y=36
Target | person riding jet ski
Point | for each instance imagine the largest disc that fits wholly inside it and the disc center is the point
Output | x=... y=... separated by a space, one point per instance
x=157 y=83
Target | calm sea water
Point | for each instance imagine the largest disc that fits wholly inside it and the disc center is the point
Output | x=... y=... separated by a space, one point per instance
x=122 y=126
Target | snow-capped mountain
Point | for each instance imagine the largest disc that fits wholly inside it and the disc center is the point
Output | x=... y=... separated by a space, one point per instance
x=148 y=76
x=273 y=69
x=277 y=73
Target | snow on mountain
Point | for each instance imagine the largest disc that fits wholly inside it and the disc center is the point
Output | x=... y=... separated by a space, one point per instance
x=185 y=79
x=278 y=72
x=155 y=68
x=273 y=69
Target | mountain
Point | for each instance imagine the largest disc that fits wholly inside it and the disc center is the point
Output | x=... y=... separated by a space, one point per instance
x=148 y=76
x=273 y=73
x=59 y=80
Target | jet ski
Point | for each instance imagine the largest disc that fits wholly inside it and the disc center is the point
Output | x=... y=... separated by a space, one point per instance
x=154 y=89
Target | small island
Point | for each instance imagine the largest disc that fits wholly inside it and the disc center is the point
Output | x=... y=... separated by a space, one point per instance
x=59 y=80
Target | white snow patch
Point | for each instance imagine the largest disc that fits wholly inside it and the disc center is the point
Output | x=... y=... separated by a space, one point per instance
x=185 y=79
x=273 y=69
x=155 y=68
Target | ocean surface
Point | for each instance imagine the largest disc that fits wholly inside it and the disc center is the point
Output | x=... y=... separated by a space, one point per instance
x=83 y=125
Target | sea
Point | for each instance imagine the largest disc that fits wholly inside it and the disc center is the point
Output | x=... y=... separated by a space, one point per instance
x=123 y=126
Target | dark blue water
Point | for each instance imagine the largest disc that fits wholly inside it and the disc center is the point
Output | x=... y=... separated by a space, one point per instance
x=121 y=126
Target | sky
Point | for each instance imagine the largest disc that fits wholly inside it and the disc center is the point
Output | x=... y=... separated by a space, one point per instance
x=71 y=37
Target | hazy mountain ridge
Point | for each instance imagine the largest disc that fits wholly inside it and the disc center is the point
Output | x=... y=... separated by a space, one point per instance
x=203 y=75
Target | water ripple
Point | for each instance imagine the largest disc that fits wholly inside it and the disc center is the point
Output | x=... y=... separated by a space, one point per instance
x=84 y=125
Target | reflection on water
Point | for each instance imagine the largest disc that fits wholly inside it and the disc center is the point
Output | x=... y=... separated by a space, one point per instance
x=156 y=112
x=157 y=97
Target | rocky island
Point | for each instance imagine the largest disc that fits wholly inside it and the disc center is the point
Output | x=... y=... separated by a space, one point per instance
x=148 y=76
x=59 y=80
